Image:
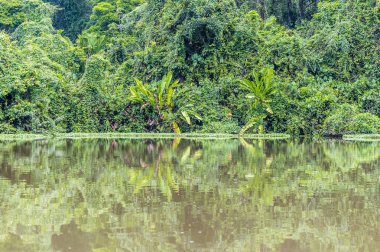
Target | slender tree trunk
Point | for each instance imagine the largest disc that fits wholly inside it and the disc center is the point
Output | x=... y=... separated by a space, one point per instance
x=289 y=7
x=261 y=8
x=301 y=6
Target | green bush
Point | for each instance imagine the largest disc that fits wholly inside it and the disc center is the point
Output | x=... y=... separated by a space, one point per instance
x=370 y=102
x=347 y=120
x=365 y=123
x=226 y=126
x=7 y=129
x=313 y=105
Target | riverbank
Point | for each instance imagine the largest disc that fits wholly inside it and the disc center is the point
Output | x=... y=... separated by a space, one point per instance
x=269 y=136
x=362 y=137
x=275 y=136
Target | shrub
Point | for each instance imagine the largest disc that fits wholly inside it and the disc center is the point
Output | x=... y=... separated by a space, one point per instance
x=347 y=120
x=227 y=127
x=365 y=123
x=370 y=102
x=7 y=129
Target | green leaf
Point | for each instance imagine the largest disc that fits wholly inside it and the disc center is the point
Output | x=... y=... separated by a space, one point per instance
x=196 y=115
x=186 y=116
x=161 y=88
x=252 y=122
x=170 y=97
x=168 y=79
x=176 y=128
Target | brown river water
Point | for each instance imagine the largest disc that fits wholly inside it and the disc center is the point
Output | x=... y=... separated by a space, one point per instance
x=189 y=195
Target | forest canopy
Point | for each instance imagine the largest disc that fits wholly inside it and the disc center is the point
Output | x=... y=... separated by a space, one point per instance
x=303 y=67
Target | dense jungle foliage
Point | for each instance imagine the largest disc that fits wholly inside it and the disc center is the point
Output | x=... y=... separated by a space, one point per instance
x=294 y=66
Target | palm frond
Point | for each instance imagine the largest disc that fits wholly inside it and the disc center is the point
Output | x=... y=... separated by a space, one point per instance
x=196 y=115
x=252 y=122
x=186 y=116
x=261 y=91
x=176 y=128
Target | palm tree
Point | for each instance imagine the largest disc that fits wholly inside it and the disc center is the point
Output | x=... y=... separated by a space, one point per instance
x=164 y=98
x=261 y=91
x=92 y=43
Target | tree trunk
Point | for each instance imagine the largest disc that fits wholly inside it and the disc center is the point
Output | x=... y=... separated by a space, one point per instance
x=261 y=8
x=289 y=7
x=301 y=6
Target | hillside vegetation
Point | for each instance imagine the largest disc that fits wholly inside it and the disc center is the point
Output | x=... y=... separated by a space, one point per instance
x=301 y=67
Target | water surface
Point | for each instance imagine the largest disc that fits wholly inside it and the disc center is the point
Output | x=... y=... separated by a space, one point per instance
x=189 y=195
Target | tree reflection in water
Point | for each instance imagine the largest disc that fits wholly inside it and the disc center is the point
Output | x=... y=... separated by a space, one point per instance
x=71 y=238
x=165 y=195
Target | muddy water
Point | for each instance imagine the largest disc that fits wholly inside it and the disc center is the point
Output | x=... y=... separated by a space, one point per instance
x=189 y=195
